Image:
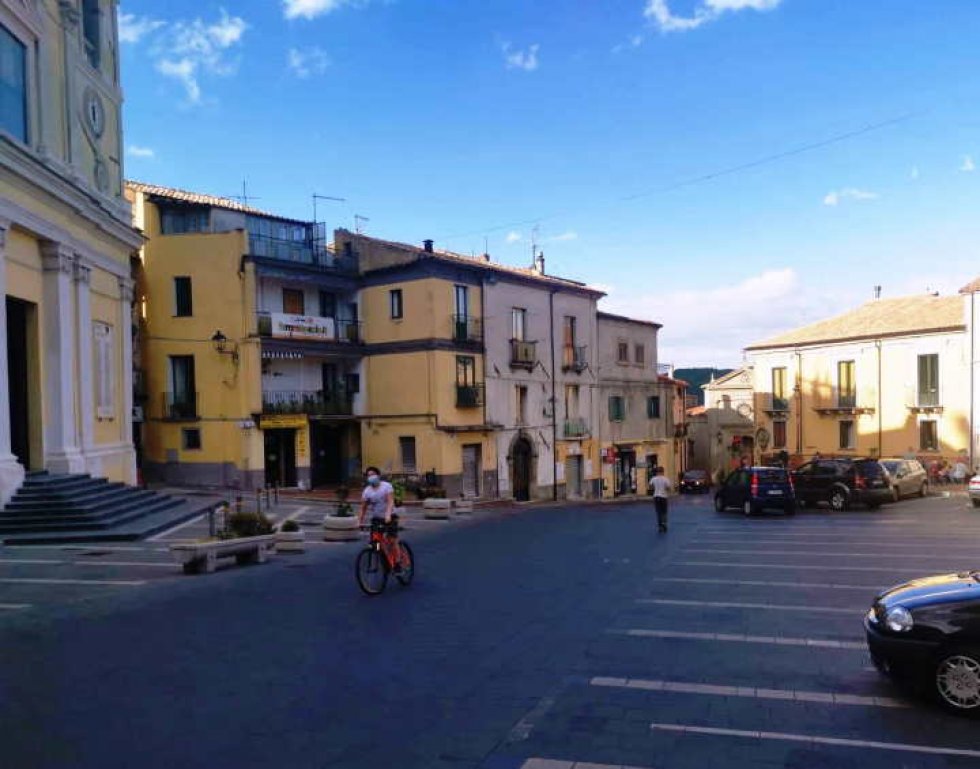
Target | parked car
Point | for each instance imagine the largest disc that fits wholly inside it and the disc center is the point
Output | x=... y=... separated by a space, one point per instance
x=842 y=483
x=909 y=477
x=753 y=489
x=974 y=490
x=927 y=631
x=694 y=482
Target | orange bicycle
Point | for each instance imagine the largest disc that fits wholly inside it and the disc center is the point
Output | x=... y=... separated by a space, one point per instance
x=385 y=554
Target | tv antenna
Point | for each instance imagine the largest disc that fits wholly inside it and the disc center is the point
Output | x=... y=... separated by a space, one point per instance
x=244 y=197
x=317 y=197
x=535 y=231
x=358 y=220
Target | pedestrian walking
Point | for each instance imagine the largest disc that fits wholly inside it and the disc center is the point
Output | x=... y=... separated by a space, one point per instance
x=661 y=490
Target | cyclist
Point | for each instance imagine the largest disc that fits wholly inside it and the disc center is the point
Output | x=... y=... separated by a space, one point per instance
x=378 y=498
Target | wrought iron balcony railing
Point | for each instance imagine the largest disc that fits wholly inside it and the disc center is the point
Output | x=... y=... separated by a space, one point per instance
x=182 y=405
x=469 y=396
x=466 y=328
x=576 y=428
x=573 y=358
x=335 y=402
x=523 y=354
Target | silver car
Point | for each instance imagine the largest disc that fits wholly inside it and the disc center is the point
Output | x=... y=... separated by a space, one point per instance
x=909 y=477
x=974 y=490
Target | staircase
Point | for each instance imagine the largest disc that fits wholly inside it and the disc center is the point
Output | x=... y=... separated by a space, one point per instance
x=51 y=508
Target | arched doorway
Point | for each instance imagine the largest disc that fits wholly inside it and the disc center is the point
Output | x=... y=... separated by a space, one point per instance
x=522 y=457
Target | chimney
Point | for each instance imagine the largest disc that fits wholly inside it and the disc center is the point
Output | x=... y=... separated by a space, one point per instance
x=539 y=263
x=427 y=246
x=877 y=292
x=486 y=256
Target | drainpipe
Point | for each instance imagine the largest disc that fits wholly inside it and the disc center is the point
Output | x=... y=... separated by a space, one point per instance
x=973 y=386
x=881 y=449
x=554 y=401
x=799 y=403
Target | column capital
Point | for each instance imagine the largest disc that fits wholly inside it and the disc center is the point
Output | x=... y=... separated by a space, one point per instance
x=4 y=228
x=126 y=289
x=69 y=14
x=82 y=272
x=57 y=257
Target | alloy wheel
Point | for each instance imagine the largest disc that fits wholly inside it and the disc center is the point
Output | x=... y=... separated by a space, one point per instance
x=958 y=681
x=838 y=501
x=747 y=508
x=719 y=504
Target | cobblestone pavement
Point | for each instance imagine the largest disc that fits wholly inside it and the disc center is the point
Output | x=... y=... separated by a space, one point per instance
x=532 y=638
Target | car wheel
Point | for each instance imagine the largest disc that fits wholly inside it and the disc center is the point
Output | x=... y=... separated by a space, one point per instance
x=957 y=680
x=838 y=500
x=790 y=509
x=800 y=502
x=874 y=505
x=748 y=508
x=976 y=502
x=923 y=489
x=895 y=495
x=719 y=504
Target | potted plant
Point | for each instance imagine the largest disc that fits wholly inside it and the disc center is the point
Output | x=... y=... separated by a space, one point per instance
x=341 y=525
x=289 y=538
x=398 y=493
x=244 y=524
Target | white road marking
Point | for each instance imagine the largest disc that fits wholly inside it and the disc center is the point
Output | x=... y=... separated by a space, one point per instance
x=814 y=643
x=38 y=581
x=791 y=566
x=14 y=606
x=150 y=564
x=180 y=526
x=715 y=690
x=914 y=542
x=550 y=763
x=34 y=561
x=763 y=606
x=822 y=553
x=816 y=740
x=766 y=583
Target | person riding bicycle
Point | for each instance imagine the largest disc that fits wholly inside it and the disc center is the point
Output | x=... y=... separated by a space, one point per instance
x=378 y=498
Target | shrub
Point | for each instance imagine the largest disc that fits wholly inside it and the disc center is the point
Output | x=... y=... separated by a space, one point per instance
x=344 y=510
x=248 y=524
x=398 y=492
x=289 y=525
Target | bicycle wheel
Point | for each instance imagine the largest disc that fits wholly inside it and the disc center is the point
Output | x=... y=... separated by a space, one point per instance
x=372 y=575
x=408 y=564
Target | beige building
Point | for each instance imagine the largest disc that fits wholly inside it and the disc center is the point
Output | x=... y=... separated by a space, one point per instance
x=65 y=245
x=722 y=432
x=893 y=377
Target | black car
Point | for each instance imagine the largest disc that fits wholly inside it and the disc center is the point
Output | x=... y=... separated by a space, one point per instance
x=928 y=631
x=843 y=482
x=694 y=482
x=753 y=489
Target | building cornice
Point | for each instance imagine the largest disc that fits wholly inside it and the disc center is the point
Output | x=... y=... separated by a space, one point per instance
x=958 y=328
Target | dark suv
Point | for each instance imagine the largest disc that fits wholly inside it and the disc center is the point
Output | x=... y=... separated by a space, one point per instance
x=752 y=489
x=843 y=482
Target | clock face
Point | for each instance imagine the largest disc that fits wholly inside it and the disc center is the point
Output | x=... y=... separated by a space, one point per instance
x=94 y=113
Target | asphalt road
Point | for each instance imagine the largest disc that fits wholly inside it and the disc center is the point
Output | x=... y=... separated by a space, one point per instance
x=532 y=637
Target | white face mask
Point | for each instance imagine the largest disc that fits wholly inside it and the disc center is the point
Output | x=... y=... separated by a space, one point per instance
x=374 y=480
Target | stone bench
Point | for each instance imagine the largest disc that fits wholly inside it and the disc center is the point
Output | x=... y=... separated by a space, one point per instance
x=195 y=556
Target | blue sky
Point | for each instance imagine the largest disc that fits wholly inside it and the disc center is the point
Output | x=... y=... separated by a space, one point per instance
x=472 y=123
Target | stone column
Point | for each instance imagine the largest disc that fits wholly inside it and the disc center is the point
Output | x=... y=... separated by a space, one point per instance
x=11 y=471
x=86 y=397
x=126 y=386
x=61 y=454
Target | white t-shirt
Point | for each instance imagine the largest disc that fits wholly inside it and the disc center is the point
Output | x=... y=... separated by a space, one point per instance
x=377 y=498
x=661 y=486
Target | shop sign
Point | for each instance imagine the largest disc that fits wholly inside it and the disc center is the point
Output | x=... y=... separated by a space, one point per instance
x=282 y=421
x=302 y=327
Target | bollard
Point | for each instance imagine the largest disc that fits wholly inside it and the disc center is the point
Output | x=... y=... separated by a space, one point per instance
x=211 y=514
x=268 y=498
x=238 y=503
x=258 y=500
x=276 y=490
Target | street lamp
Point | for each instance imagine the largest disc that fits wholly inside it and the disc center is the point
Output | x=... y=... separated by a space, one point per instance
x=221 y=345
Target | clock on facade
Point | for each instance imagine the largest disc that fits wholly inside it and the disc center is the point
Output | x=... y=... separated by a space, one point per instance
x=94 y=113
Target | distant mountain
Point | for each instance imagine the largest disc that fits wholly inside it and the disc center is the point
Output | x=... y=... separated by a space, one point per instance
x=695 y=377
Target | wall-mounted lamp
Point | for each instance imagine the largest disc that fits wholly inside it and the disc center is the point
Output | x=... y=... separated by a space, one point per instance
x=222 y=347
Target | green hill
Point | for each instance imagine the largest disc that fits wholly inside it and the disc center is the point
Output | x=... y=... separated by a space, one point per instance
x=695 y=377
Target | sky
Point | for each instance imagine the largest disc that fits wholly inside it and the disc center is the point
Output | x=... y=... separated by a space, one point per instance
x=729 y=168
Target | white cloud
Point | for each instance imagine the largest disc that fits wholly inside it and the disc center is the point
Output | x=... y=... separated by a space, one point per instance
x=914 y=173
x=523 y=60
x=635 y=41
x=570 y=235
x=306 y=62
x=132 y=29
x=513 y=237
x=135 y=151
x=191 y=48
x=968 y=166
x=834 y=197
x=310 y=9
x=707 y=10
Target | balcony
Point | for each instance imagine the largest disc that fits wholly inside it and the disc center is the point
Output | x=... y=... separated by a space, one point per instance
x=847 y=400
x=573 y=358
x=523 y=354
x=466 y=328
x=180 y=406
x=469 y=396
x=313 y=402
x=575 y=428
x=278 y=325
x=300 y=251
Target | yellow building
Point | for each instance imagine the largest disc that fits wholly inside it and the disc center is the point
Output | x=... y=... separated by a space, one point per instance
x=250 y=346
x=891 y=378
x=65 y=245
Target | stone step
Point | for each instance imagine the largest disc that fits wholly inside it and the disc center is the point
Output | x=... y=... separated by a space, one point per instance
x=68 y=523
x=104 y=510
x=87 y=502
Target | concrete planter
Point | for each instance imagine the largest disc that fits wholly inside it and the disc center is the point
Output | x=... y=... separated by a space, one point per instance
x=437 y=509
x=463 y=506
x=340 y=529
x=399 y=511
x=290 y=542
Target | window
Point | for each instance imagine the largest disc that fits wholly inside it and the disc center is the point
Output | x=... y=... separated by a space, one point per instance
x=929 y=434
x=623 y=352
x=328 y=305
x=293 y=302
x=846 y=385
x=191 y=438
x=568 y=331
x=653 y=407
x=105 y=406
x=13 y=86
x=182 y=398
x=779 y=399
x=465 y=370
x=91 y=29
x=617 y=408
x=395 y=303
x=183 y=220
x=406 y=449
x=571 y=401
x=847 y=434
x=352 y=383
x=779 y=434
x=461 y=297
x=518 y=324
x=639 y=354
x=183 y=299
x=928 y=380
x=521 y=405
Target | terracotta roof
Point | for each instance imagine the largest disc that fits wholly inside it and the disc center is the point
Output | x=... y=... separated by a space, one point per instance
x=184 y=196
x=697 y=411
x=878 y=318
x=972 y=287
x=624 y=319
x=733 y=374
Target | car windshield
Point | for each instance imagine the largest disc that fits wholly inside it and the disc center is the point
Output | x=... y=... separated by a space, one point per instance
x=695 y=475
